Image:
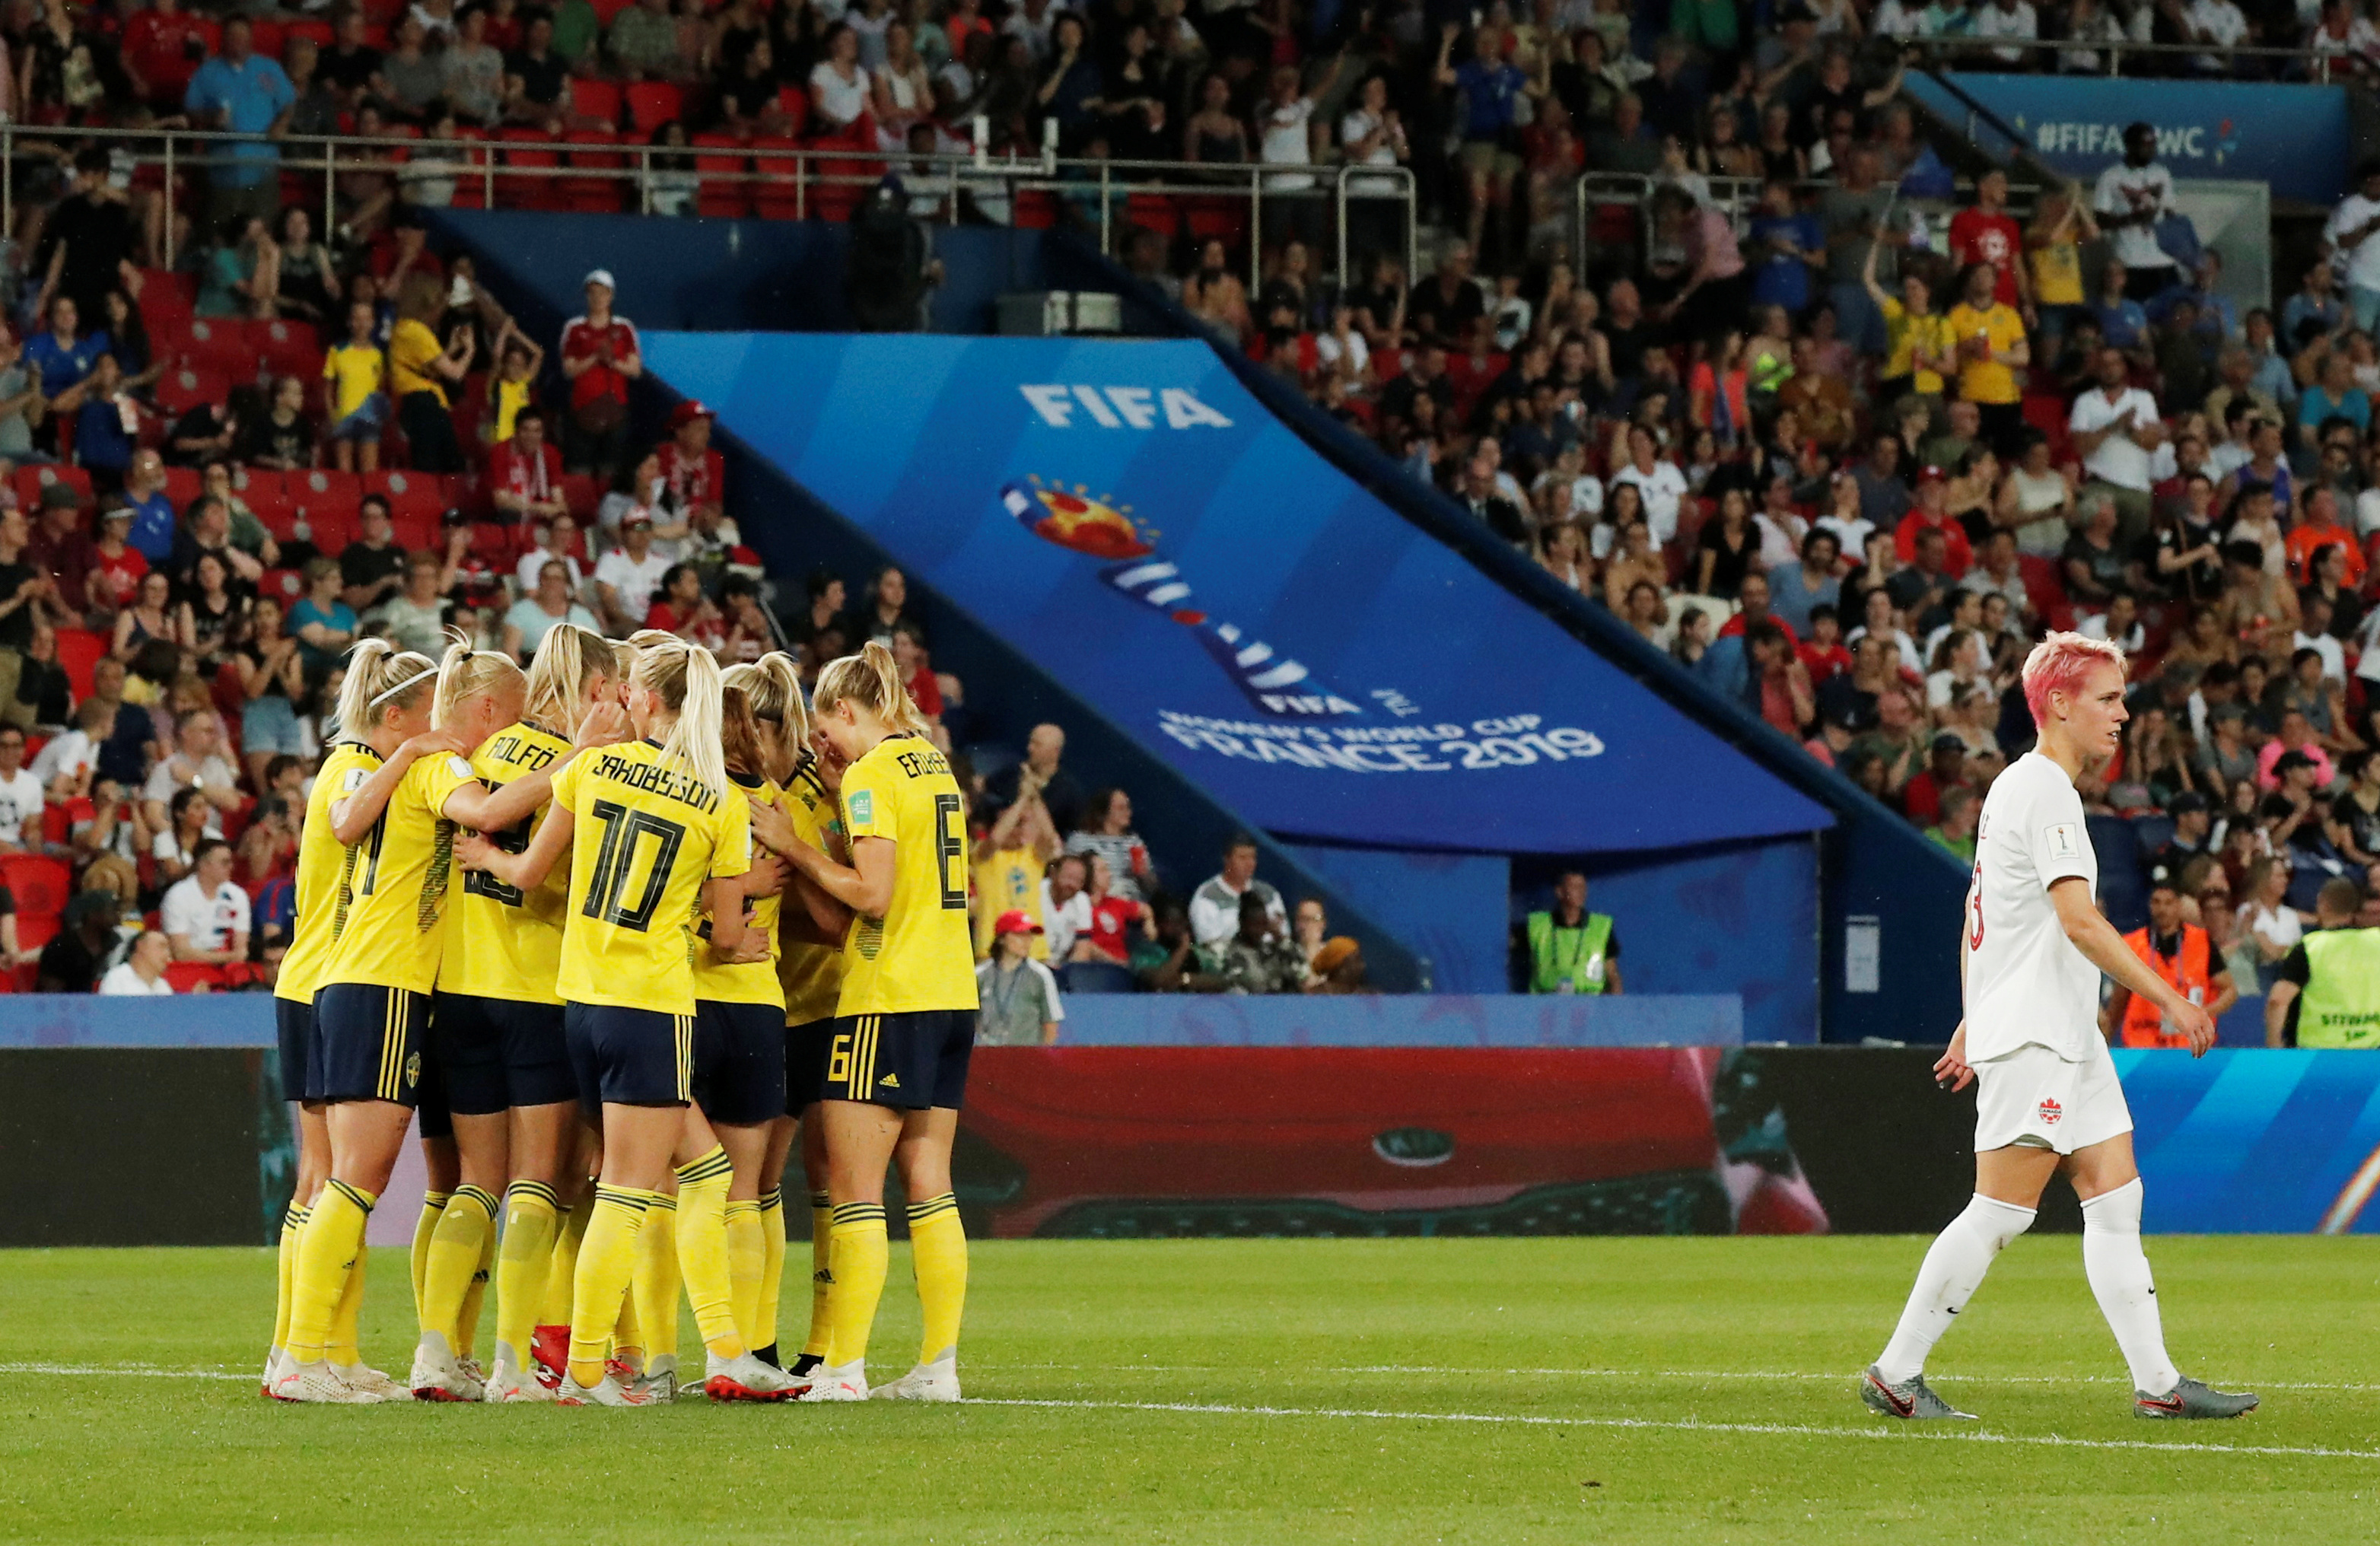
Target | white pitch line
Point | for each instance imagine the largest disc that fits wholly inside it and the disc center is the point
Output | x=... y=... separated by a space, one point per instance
x=1839 y=1376
x=122 y=1370
x=1690 y=1425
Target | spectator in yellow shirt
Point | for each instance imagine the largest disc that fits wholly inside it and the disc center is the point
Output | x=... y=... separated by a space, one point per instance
x=1917 y=338
x=1991 y=348
x=357 y=371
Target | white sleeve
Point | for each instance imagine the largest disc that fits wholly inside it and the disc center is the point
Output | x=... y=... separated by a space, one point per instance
x=2059 y=843
x=177 y=912
x=1050 y=990
x=2077 y=421
x=2108 y=197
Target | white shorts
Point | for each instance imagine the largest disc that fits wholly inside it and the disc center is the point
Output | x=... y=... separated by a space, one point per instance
x=2035 y=1097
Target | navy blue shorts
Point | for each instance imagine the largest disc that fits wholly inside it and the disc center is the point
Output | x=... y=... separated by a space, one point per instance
x=807 y=1047
x=496 y=1053
x=368 y=1043
x=293 y=1025
x=911 y=1061
x=739 y=1062
x=433 y=1116
x=629 y=1057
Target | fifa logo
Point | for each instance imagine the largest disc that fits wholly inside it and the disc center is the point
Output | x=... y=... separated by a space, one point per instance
x=1280 y=687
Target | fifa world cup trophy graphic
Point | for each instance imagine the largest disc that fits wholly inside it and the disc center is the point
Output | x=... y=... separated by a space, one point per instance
x=1278 y=686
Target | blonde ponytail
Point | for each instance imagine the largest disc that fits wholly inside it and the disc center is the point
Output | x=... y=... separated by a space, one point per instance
x=772 y=690
x=380 y=678
x=872 y=681
x=740 y=731
x=465 y=673
x=685 y=678
x=567 y=658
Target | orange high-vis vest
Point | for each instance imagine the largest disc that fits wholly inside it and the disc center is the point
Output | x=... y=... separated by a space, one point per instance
x=2191 y=972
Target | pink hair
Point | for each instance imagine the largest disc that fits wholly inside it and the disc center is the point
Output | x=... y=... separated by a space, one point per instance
x=2059 y=663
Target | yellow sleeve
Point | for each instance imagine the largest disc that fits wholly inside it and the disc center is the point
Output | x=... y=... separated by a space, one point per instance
x=330 y=365
x=438 y=777
x=867 y=809
x=565 y=786
x=732 y=854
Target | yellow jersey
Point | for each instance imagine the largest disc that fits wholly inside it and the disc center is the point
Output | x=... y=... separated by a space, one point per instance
x=753 y=981
x=388 y=928
x=812 y=974
x=2056 y=274
x=919 y=954
x=504 y=944
x=411 y=348
x=354 y=372
x=647 y=837
x=1008 y=879
x=345 y=768
x=1904 y=336
x=1988 y=380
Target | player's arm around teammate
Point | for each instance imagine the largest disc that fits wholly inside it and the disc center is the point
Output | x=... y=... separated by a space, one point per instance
x=904 y=1025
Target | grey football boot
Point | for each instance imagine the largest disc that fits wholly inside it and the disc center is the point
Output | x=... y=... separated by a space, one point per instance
x=2192 y=1399
x=1912 y=1400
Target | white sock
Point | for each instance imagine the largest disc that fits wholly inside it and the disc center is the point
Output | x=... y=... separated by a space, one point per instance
x=1954 y=1268
x=2118 y=1270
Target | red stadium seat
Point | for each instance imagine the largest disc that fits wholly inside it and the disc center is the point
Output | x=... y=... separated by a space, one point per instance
x=600 y=194
x=471 y=187
x=182 y=484
x=793 y=101
x=319 y=487
x=40 y=886
x=185 y=388
x=79 y=650
x=410 y=495
x=1036 y=208
x=723 y=192
x=31 y=481
x=531 y=184
x=269 y=500
x=582 y=491
x=595 y=99
x=223 y=344
x=1154 y=211
x=652 y=103
x=778 y=197
x=187 y=976
x=290 y=349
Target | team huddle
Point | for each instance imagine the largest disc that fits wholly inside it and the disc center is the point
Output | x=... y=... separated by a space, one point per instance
x=622 y=930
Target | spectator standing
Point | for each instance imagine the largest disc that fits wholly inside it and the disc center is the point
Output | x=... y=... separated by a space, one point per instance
x=525 y=472
x=1021 y=1003
x=358 y=373
x=600 y=358
x=1215 y=906
x=2131 y=197
x=24 y=590
x=1989 y=337
x=2116 y=431
x=142 y=974
x=2323 y=990
x=1571 y=949
x=1104 y=830
x=693 y=472
x=420 y=369
x=1042 y=773
x=2182 y=953
x=2349 y=231
x=1009 y=862
x=243 y=92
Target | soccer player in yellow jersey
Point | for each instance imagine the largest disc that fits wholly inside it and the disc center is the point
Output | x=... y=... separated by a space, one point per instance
x=651 y=826
x=739 y=1032
x=905 y=1024
x=387 y=932
x=496 y=1028
x=361 y=776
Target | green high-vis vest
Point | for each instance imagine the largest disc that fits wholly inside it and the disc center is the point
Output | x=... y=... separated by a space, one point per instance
x=1568 y=960
x=2340 y=1006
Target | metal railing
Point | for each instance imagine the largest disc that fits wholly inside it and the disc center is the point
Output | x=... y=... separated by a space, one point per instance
x=1980 y=53
x=787 y=182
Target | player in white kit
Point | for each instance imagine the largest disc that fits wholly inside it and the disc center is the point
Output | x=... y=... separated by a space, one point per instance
x=2032 y=945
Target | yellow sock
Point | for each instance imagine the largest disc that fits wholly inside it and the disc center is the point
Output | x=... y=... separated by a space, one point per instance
x=344 y=1349
x=856 y=1262
x=452 y=1257
x=466 y=1326
x=772 y=1268
x=627 y=1336
x=327 y=1254
x=293 y=1222
x=702 y=1251
x=744 y=1266
x=607 y=1260
x=525 y=1260
x=937 y=1251
x=817 y=1343
x=561 y=1276
x=425 y=1229
x=657 y=1281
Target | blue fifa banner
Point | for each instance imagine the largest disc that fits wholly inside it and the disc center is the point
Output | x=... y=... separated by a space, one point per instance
x=2294 y=138
x=1125 y=515
x=2252 y=1141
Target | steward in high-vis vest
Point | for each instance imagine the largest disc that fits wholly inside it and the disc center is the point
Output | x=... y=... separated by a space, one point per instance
x=1571 y=950
x=2328 y=990
x=2180 y=952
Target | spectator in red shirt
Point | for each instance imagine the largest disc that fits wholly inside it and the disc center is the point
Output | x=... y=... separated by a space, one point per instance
x=62 y=550
x=599 y=356
x=693 y=471
x=159 y=42
x=117 y=566
x=1946 y=769
x=1986 y=233
x=1112 y=917
x=525 y=472
x=1822 y=654
x=680 y=607
x=1929 y=511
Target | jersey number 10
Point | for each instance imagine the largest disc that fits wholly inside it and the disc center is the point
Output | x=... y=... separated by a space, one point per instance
x=623 y=832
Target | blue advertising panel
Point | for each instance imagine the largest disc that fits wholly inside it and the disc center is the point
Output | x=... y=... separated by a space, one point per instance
x=2292 y=136
x=1128 y=517
x=2255 y=1140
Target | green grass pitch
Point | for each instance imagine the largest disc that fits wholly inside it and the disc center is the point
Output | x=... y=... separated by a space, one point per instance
x=1267 y=1391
